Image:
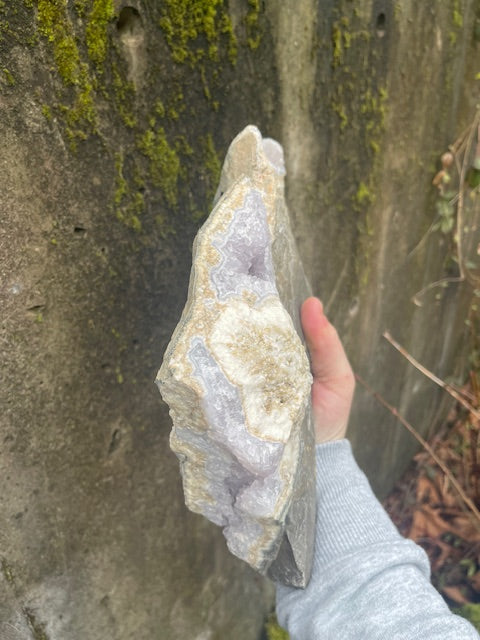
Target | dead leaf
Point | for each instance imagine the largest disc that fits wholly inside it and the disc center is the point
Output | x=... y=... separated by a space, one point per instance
x=475 y=581
x=427 y=523
x=455 y=594
x=427 y=491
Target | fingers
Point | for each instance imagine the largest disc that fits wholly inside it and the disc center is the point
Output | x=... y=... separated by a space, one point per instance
x=327 y=354
x=333 y=380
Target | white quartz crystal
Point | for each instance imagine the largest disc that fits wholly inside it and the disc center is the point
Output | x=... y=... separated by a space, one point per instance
x=236 y=375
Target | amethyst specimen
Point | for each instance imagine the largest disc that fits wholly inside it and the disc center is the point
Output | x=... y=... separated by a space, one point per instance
x=236 y=374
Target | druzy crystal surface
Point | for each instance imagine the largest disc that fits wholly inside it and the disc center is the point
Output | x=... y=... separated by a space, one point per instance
x=236 y=375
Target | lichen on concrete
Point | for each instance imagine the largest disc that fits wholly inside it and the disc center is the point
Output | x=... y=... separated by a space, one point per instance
x=341 y=40
x=96 y=38
x=110 y=274
x=274 y=631
x=55 y=26
x=76 y=109
x=212 y=164
x=457 y=22
x=374 y=107
x=124 y=98
x=197 y=32
x=194 y=29
x=129 y=202
x=252 y=24
x=15 y=24
x=7 y=572
x=36 y=627
x=9 y=79
x=359 y=105
x=164 y=163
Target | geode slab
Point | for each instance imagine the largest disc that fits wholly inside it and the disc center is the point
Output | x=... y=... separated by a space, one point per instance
x=236 y=375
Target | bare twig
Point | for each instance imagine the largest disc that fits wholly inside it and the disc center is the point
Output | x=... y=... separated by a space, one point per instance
x=394 y=411
x=426 y=372
x=474 y=463
x=463 y=145
x=460 y=142
x=466 y=156
x=474 y=467
x=433 y=285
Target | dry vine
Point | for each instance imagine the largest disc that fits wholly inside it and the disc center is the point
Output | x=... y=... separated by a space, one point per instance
x=460 y=153
x=394 y=411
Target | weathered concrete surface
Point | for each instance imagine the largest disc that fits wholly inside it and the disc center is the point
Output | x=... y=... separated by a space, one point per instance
x=95 y=254
x=361 y=190
x=95 y=540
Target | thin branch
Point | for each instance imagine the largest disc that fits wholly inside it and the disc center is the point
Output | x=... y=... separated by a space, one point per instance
x=425 y=445
x=466 y=156
x=463 y=144
x=426 y=372
x=459 y=143
x=433 y=285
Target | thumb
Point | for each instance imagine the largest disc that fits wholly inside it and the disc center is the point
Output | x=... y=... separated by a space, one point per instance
x=328 y=358
x=333 y=380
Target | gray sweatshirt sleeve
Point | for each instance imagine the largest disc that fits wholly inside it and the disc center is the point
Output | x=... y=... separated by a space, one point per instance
x=368 y=582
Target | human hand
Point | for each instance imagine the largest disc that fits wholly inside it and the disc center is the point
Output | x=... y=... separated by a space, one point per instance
x=333 y=379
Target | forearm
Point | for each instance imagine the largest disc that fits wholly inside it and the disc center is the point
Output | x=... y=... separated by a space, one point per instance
x=367 y=581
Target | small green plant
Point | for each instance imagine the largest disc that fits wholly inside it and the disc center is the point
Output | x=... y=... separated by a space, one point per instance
x=471 y=612
x=274 y=630
x=457 y=208
x=446 y=212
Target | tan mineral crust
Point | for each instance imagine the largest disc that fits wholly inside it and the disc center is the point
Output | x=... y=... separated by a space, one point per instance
x=236 y=374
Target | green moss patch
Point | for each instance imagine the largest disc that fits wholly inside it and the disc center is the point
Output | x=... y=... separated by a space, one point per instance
x=76 y=108
x=213 y=166
x=471 y=612
x=96 y=30
x=54 y=25
x=163 y=159
x=254 y=33
x=274 y=631
x=194 y=29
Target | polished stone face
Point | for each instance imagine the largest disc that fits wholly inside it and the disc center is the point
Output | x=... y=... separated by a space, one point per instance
x=236 y=375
